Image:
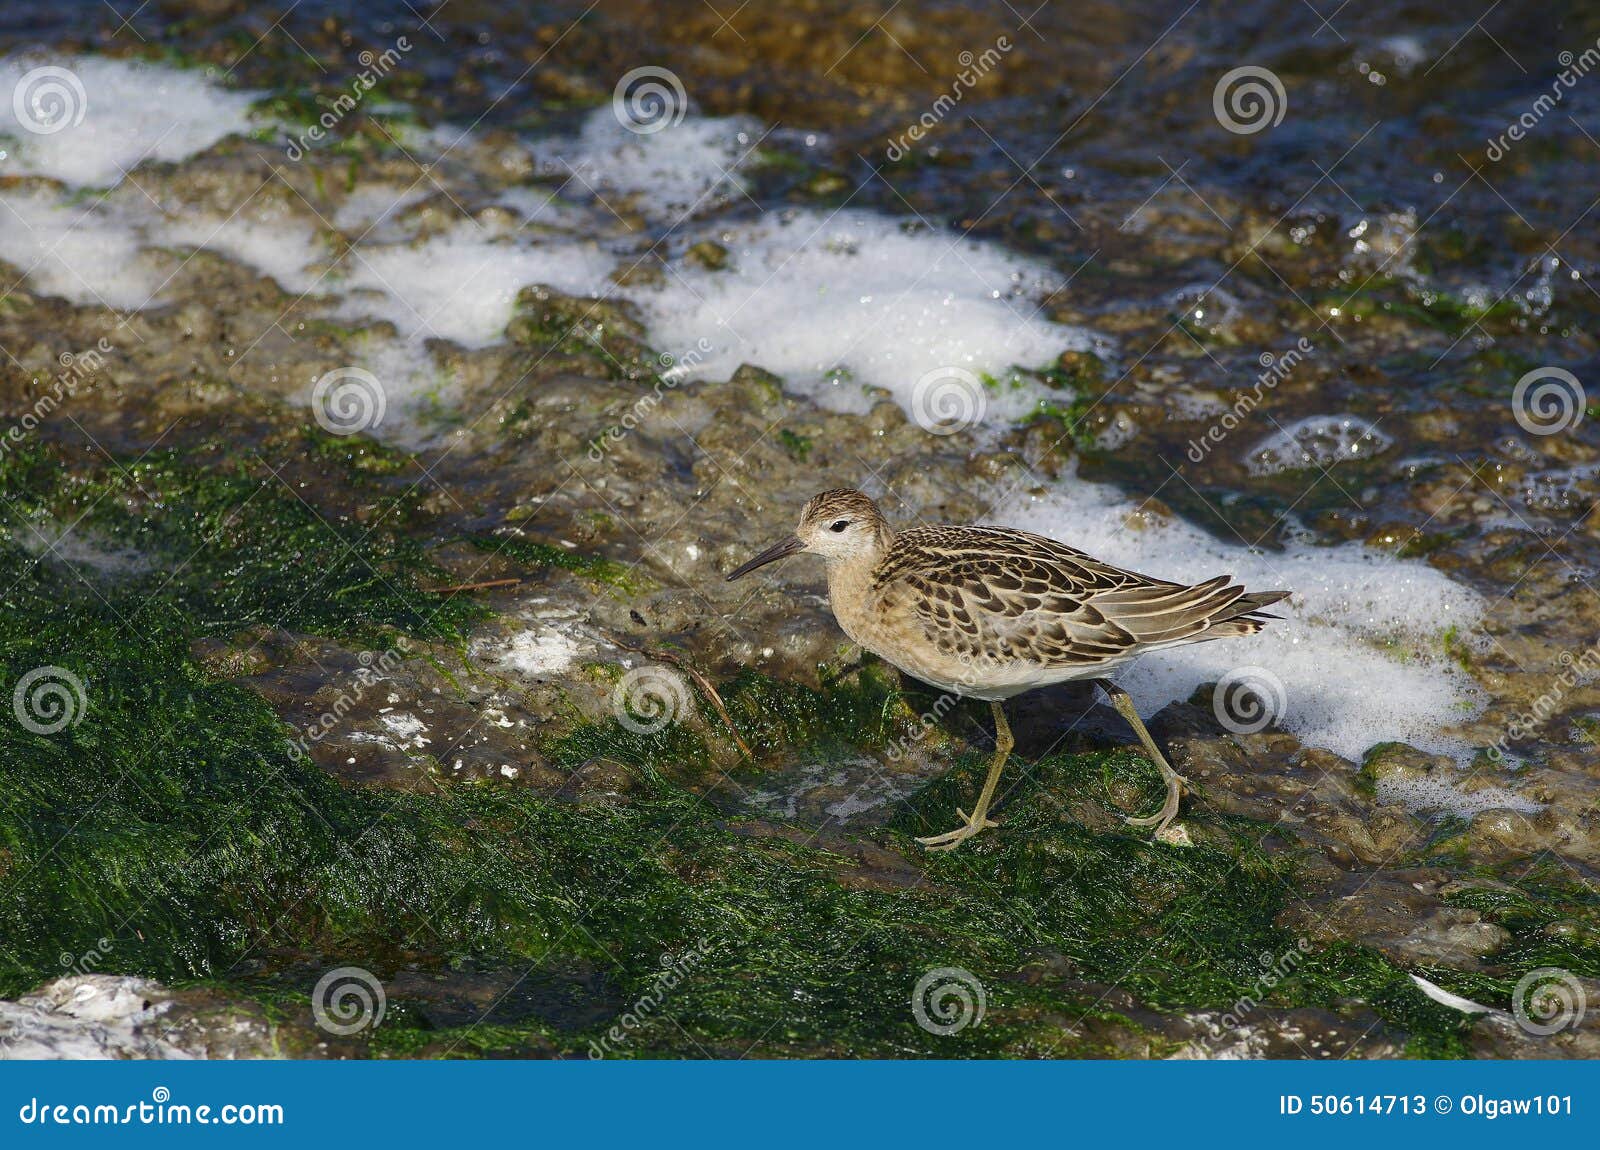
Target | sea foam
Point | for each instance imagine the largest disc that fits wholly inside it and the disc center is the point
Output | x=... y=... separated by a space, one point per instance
x=1359 y=649
x=105 y=116
x=835 y=303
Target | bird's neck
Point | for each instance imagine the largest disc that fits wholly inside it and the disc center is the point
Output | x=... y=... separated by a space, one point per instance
x=850 y=578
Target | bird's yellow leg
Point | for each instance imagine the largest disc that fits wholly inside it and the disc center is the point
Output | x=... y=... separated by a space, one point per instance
x=1121 y=700
x=979 y=820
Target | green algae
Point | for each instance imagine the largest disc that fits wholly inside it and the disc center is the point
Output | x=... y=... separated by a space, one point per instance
x=595 y=337
x=231 y=547
x=1432 y=309
x=798 y=446
x=1552 y=915
x=531 y=553
x=173 y=820
x=358 y=455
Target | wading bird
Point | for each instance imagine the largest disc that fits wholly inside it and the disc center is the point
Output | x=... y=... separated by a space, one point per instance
x=990 y=612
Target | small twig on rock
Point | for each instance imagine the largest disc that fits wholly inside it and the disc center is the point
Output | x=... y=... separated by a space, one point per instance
x=700 y=681
x=484 y=586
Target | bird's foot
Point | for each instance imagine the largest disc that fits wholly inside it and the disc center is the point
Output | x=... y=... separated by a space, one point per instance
x=1169 y=809
x=952 y=839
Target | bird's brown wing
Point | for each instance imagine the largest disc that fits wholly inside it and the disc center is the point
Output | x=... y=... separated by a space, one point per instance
x=984 y=592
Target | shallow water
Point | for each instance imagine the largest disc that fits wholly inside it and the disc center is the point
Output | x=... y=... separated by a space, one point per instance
x=1330 y=331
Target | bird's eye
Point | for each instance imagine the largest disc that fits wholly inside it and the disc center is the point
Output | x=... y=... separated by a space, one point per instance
x=839 y=525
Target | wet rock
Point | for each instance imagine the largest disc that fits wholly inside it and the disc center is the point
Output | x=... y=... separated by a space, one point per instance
x=1396 y=761
x=1303 y=1033
x=397 y=717
x=115 y=1016
x=1399 y=913
x=708 y=254
x=1568 y=1028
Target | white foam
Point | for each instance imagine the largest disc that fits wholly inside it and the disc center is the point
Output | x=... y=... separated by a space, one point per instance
x=460 y=284
x=130 y=113
x=418 y=394
x=541 y=208
x=374 y=205
x=270 y=239
x=79 y=548
x=682 y=169
x=88 y=252
x=1437 y=791
x=1405 y=52
x=101 y=250
x=406 y=729
x=1358 y=650
x=835 y=304
x=1317 y=440
x=838 y=303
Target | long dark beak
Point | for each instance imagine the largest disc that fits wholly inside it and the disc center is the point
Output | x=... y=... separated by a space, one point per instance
x=771 y=555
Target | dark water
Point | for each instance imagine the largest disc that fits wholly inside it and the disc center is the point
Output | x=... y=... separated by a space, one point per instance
x=1412 y=189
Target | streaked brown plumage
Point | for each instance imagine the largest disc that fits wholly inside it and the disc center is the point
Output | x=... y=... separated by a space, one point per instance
x=991 y=612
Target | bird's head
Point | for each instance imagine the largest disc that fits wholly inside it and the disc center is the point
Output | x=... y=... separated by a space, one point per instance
x=840 y=526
